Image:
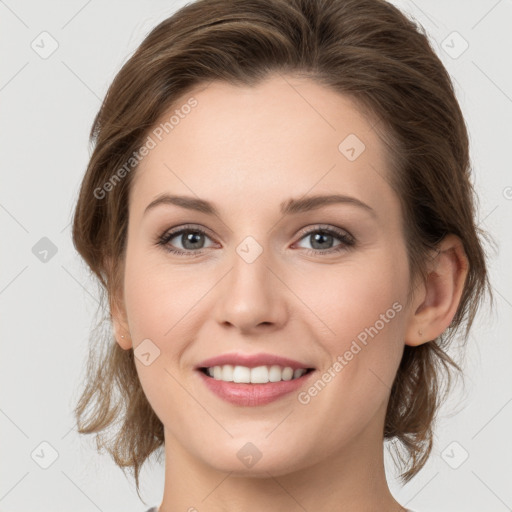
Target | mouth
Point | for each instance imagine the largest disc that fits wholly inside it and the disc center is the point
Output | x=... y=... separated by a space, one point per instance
x=256 y=375
x=253 y=379
x=257 y=386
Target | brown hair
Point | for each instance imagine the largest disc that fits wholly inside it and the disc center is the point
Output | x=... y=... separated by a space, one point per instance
x=364 y=49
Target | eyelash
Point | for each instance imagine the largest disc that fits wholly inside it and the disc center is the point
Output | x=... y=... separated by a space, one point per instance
x=347 y=240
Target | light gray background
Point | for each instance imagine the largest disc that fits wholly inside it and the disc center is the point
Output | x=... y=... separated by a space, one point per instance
x=48 y=106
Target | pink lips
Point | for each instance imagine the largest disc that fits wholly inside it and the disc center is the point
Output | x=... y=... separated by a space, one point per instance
x=252 y=394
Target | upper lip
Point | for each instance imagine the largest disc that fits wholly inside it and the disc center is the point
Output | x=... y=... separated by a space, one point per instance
x=252 y=361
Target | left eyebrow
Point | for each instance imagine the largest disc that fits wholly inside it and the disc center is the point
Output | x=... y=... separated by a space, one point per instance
x=289 y=207
x=309 y=203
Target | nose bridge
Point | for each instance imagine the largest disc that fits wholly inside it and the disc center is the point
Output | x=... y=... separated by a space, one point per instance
x=251 y=294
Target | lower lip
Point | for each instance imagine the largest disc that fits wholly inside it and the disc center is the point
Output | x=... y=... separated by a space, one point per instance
x=253 y=394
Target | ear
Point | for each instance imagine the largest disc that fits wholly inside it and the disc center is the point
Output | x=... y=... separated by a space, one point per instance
x=436 y=301
x=120 y=323
x=117 y=308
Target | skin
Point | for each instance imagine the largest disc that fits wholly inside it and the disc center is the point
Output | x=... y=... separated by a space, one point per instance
x=247 y=150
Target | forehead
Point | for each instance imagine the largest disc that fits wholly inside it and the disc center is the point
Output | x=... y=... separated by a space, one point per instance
x=255 y=145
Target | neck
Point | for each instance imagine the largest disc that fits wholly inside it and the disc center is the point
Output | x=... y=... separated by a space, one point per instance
x=351 y=479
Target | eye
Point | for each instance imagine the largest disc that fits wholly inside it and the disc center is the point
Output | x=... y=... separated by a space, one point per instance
x=191 y=238
x=322 y=238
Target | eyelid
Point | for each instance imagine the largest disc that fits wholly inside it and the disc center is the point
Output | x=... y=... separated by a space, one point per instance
x=325 y=227
x=184 y=227
x=303 y=232
x=344 y=236
x=171 y=233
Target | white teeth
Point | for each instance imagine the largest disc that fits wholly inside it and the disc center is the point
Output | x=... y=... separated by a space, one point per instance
x=257 y=375
x=275 y=374
x=242 y=374
x=227 y=373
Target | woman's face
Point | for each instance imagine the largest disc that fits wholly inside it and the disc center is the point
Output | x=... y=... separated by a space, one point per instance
x=322 y=284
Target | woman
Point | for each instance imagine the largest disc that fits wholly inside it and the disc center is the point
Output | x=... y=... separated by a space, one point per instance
x=240 y=138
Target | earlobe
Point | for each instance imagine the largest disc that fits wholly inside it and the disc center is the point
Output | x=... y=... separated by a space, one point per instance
x=121 y=330
x=120 y=324
x=440 y=296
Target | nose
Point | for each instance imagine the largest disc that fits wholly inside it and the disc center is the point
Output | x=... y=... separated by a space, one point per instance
x=252 y=298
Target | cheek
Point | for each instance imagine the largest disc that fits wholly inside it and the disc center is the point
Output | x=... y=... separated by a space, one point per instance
x=160 y=306
x=156 y=298
x=353 y=296
x=364 y=307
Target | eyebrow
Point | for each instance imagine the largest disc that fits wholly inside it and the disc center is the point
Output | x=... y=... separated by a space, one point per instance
x=290 y=207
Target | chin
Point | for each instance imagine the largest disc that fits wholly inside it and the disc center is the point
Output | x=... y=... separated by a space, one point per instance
x=248 y=460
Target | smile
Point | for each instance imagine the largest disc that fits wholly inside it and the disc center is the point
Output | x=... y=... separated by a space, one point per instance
x=246 y=394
